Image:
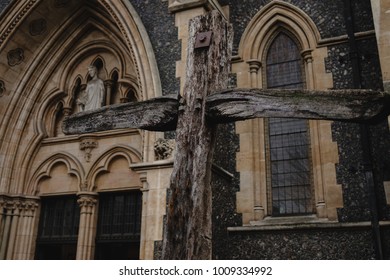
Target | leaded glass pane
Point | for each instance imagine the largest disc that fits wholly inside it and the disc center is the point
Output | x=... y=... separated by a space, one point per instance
x=119 y=216
x=289 y=145
x=59 y=218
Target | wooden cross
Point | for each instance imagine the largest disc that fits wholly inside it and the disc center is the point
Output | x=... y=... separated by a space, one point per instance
x=207 y=102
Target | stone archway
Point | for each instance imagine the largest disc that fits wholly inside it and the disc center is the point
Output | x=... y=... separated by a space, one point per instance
x=47 y=47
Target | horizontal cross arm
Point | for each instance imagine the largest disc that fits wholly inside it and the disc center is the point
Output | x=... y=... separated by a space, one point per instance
x=157 y=114
x=350 y=105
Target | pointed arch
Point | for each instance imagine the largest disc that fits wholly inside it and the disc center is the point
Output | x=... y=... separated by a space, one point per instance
x=283 y=47
x=73 y=166
x=253 y=164
x=120 y=24
x=134 y=31
x=102 y=164
x=273 y=16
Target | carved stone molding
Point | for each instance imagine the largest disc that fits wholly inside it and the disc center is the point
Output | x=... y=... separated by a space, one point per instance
x=307 y=55
x=15 y=56
x=8 y=203
x=29 y=206
x=37 y=27
x=16 y=20
x=13 y=205
x=254 y=65
x=109 y=7
x=164 y=148
x=87 y=145
x=87 y=202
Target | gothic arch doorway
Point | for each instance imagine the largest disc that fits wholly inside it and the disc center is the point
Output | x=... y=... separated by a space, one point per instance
x=50 y=46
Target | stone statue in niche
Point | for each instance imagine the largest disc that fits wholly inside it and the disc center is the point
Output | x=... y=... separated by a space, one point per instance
x=93 y=96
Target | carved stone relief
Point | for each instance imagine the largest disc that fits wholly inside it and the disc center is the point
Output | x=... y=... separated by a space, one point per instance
x=37 y=27
x=164 y=148
x=16 y=21
x=87 y=145
x=15 y=56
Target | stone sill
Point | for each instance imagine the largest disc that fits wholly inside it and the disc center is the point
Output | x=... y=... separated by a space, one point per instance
x=158 y=164
x=296 y=223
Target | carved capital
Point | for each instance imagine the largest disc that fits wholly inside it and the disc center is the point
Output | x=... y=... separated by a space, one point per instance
x=13 y=205
x=109 y=83
x=307 y=56
x=3 y=200
x=254 y=65
x=30 y=205
x=16 y=205
x=67 y=111
x=87 y=200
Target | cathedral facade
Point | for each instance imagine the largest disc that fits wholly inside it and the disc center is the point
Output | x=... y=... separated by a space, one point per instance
x=282 y=188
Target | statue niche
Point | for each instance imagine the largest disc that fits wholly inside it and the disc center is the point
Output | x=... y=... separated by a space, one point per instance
x=93 y=95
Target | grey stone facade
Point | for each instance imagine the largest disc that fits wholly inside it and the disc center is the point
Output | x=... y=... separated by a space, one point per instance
x=162 y=32
x=352 y=238
x=325 y=243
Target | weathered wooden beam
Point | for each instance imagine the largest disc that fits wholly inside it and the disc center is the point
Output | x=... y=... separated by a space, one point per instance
x=157 y=114
x=160 y=114
x=188 y=229
x=241 y=104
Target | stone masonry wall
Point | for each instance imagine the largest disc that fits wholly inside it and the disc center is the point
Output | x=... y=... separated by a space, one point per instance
x=160 y=25
x=353 y=243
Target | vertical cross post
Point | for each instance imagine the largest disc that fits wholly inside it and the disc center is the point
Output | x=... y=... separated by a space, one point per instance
x=187 y=234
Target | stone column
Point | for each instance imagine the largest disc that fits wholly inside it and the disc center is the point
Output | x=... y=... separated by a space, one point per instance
x=26 y=230
x=87 y=227
x=2 y=219
x=319 y=191
x=308 y=58
x=381 y=18
x=108 y=84
x=254 y=66
x=144 y=228
x=15 y=208
x=257 y=125
x=316 y=139
x=6 y=227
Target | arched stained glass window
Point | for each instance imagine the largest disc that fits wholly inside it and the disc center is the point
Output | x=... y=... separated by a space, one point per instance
x=289 y=176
